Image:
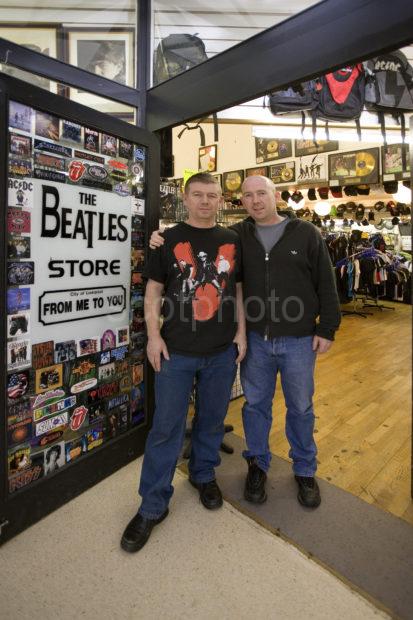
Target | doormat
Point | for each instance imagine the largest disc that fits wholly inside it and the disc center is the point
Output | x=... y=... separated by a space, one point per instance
x=370 y=549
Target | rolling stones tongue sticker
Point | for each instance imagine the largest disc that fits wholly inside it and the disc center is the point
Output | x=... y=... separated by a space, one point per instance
x=78 y=417
x=76 y=170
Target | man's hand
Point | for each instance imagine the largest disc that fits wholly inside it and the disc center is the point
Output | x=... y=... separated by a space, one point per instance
x=156 y=347
x=241 y=342
x=156 y=240
x=321 y=345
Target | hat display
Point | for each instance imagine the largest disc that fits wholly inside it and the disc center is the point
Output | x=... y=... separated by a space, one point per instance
x=323 y=192
x=359 y=212
x=350 y=190
x=311 y=194
x=390 y=187
x=297 y=196
x=336 y=192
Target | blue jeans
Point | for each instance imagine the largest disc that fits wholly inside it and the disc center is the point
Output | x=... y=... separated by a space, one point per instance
x=294 y=359
x=214 y=375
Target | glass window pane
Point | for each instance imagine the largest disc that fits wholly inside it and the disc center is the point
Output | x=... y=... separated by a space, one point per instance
x=96 y=35
x=189 y=32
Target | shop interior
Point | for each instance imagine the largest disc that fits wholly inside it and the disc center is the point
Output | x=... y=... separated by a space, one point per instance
x=363 y=385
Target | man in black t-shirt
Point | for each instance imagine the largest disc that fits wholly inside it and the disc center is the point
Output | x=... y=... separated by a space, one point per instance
x=202 y=337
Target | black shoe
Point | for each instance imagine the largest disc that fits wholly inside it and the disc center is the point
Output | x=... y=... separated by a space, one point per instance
x=308 y=491
x=209 y=493
x=254 y=490
x=137 y=532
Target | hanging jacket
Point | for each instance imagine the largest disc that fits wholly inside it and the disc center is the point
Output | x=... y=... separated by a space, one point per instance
x=290 y=291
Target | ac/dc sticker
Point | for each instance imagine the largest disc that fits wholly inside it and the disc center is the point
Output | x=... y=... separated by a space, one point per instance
x=20 y=167
x=20 y=193
x=20 y=145
x=51 y=147
x=18 y=221
x=91 y=142
x=49 y=175
x=89 y=157
x=42 y=354
x=21 y=272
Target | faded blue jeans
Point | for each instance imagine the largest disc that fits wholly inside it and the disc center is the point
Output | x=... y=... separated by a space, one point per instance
x=294 y=359
x=214 y=375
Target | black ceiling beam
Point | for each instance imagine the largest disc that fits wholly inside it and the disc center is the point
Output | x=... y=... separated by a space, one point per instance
x=63 y=73
x=324 y=37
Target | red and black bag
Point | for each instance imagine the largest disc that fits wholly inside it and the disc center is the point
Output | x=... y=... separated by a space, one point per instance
x=341 y=95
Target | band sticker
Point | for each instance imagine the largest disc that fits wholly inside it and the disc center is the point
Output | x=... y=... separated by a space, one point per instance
x=20 y=145
x=20 y=193
x=48 y=378
x=51 y=147
x=42 y=354
x=18 y=354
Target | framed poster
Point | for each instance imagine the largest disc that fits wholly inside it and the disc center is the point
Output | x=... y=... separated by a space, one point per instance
x=207 y=158
x=269 y=149
x=392 y=162
x=232 y=182
x=106 y=52
x=259 y=171
x=42 y=39
x=309 y=147
x=354 y=166
x=312 y=168
x=283 y=173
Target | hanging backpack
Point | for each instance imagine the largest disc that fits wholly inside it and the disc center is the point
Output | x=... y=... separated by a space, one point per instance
x=389 y=89
x=341 y=96
x=175 y=54
x=300 y=97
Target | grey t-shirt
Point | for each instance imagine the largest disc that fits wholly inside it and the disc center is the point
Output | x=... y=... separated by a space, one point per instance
x=270 y=235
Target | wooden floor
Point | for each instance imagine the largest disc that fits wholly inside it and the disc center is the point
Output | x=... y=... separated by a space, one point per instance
x=363 y=410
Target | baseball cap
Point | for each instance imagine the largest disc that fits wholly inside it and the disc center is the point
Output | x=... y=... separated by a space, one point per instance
x=336 y=192
x=297 y=196
x=359 y=212
x=379 y=205
x=323 y=192
x=390 y=187
x=351 y=207
x=363 y=190
x=341 y=209
x=285 y=195
x=311 y=194
x=371 y=216
x=395 y=221
x=350 y=190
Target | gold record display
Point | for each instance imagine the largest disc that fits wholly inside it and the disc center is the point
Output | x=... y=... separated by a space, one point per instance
x=355 y=166
x=267 y=149
x=232 y=182
x=282 y=173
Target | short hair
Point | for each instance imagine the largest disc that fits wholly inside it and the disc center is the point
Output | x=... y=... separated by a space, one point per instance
x=201 y=177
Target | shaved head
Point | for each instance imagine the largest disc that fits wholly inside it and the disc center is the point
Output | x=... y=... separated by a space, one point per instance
x=270 y=185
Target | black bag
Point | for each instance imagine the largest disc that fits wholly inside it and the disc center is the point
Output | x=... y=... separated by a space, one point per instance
x=389 y=90
x=295 y=98
x=177 y=53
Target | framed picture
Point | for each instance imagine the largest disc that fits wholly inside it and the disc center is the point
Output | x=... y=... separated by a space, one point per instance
x=259 y=171
x=207 y=158
x=269 y=149
x=312 y=168
x=354 y=167
x=309 y=147
x=42 y=39
x=232 y=182
x=282 y=173
x=392 y=162
x=106 y=52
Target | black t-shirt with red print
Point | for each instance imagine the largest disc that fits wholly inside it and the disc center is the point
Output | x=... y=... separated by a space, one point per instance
x=199 y=268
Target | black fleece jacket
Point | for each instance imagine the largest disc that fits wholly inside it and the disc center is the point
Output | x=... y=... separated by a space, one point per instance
x=292 y=290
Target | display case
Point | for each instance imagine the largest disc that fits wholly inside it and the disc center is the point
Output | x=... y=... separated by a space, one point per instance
x=79 y=197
